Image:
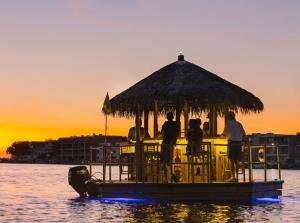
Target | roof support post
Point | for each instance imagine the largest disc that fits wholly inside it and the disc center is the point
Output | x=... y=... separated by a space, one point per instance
x=225 y=113
x=213 y=121
x=138 y=145
x=146 y=122
x=178 y=117
x=155 y=119
x=186 y=117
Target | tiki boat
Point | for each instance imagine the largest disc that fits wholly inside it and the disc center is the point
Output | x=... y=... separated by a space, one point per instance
x=186 y=89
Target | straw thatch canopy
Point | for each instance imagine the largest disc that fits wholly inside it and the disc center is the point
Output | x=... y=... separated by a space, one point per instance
x=184 y=82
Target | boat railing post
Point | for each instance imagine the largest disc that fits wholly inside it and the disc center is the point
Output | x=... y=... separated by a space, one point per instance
x=129 y=166
x=143 y=165
x=135 y=163
x=104 y=163
x=265 y=163
x=250 y=161
x=192 y=166
x=152 y=164
x=209 y=162
x=154 y=161
x=243 y=163
x=157 y=164
x=236 y=169
x=278 y=161
x=171 y=163
x=110 y=160
x=120 y=164
x=188 y=167
x=91 y=160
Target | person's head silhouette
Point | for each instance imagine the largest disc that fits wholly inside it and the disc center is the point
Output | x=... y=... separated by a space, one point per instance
x=170 y=116
x=231 y=115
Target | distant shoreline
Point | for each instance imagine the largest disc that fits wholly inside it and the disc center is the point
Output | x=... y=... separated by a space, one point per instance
x=50 y=163
x=116 y=164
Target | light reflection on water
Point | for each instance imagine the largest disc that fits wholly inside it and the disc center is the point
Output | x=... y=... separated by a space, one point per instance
x=40 y=193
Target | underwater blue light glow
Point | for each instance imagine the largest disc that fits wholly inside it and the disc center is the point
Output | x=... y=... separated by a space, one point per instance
x=267 y=200
x=129 y=192
x=126 y=200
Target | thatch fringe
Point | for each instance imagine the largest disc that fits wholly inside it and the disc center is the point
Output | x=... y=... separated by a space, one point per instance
x=182 y=82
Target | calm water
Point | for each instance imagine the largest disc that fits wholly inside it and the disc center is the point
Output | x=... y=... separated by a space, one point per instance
x=40 y=193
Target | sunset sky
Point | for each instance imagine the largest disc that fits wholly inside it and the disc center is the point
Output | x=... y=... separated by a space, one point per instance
x=59 y=58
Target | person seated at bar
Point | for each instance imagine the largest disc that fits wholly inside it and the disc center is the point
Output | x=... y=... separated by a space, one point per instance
x=170 y=132
x=206 y=129
x=234 y=132
x=132 y=133
x=194 y=137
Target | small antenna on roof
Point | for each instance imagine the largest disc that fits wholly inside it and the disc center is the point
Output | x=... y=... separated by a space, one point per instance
x=180 y=56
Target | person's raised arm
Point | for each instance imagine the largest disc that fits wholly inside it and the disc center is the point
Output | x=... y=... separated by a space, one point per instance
x=225 y=131
x=130 y=136
x=243 y=132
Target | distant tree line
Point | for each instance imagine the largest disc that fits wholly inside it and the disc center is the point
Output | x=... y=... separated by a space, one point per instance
x=19 y=149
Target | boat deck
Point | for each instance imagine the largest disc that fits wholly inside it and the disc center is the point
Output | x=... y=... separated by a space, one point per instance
x=204 y=178
x=185 y=191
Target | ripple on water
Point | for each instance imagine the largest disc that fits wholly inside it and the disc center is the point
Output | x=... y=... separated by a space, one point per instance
x=40 y=193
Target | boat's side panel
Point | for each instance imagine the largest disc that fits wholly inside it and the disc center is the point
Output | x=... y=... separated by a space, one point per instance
x=215 y=191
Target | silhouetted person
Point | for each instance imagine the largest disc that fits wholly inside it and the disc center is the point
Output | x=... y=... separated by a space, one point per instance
x=132 y=133
x=234 y=132
x=170 y=132
x=194 y=137
x=206 y=129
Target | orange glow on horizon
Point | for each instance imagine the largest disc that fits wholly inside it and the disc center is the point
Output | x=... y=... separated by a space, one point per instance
x=254 y=123
x=59 y=58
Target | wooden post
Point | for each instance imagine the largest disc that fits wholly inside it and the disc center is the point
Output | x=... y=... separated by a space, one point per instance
x=138 y=149
x=138 y=124
x=250 y=164
x=178 y=117
x=209 y=163
x=109 y=167
x=186 y=117
x=265 y=163
x=146 y=122
x=243 y=161
x=104 y=163
x=120 y=165
x=155 y=119
x=91 y=160
x=213 y=122
x=225 y=116
x=278 y=161
x=210 y=122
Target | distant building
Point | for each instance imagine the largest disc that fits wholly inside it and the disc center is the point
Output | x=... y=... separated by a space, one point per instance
x=38 y=152
x=289 y=148
x=41 y=151
x=76 y=149
x=68 y=150
x=297 y=150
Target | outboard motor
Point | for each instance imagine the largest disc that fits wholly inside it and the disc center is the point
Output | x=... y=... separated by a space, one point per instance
x=77 y=177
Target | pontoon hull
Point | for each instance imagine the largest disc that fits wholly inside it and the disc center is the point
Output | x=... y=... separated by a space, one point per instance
x=186 y=192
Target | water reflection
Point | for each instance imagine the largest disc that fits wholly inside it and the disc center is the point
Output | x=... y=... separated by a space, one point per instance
x=99 y=210
x=32 y=193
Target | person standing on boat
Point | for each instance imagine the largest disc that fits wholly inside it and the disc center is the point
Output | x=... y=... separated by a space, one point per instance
x=234 y=132
x=132 y=131
x=170 y=132
x=206 y=129
x=194 y=137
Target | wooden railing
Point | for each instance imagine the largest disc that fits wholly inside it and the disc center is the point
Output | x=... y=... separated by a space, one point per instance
x=152 y=165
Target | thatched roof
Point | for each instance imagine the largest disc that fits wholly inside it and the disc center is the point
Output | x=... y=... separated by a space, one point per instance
x=184 y=81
